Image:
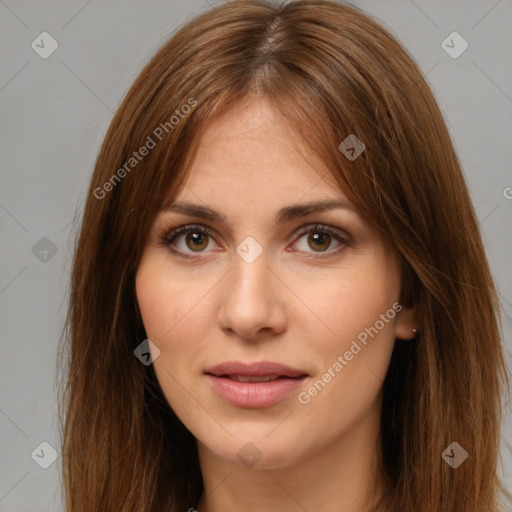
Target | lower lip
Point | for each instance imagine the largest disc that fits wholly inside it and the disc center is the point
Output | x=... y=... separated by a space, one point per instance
x=254 y=395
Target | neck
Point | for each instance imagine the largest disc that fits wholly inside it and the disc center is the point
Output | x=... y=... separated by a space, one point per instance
x=344 y=475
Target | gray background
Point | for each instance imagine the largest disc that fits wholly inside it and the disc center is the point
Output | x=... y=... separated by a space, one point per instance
x=55 y=112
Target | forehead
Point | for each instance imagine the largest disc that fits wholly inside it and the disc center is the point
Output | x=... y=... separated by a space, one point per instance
x=250 y=154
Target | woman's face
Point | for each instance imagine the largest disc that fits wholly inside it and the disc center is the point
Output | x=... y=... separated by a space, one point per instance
x=270 y=283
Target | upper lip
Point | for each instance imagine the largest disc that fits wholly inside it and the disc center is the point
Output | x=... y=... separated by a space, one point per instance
x=254 y=369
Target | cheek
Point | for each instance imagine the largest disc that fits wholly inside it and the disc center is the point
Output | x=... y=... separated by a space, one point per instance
x=167 y=305
x=153 y=296
x=357 y=318
x=164 y=300
x=347 y=305
x=175 y=315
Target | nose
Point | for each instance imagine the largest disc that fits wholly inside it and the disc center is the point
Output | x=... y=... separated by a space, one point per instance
x=253 y=307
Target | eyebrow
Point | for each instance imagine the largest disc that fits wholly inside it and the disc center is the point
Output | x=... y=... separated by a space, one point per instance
x=285 y=214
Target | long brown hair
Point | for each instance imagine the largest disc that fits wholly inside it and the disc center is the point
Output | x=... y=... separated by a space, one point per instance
x=331 y=71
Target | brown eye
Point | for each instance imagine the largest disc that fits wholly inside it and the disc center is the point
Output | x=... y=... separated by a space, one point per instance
x=319 y=241
x=187 y=239
x=313 y=240
x=196 y=241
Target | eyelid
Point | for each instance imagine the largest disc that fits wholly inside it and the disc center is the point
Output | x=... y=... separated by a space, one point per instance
x=167 y=236
x=170 y=234
x=312 y=226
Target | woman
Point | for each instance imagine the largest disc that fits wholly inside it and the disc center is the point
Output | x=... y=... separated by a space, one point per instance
x=279 y=297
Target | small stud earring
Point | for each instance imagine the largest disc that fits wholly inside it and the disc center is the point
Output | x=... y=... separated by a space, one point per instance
x=414 y=332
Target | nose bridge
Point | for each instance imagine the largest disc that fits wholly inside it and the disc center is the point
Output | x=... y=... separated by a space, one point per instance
x=249 y=301
x=250 y=276
x=250 y=264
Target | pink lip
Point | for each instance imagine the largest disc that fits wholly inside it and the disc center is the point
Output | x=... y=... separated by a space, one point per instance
x=254 y=394
x=254 y=369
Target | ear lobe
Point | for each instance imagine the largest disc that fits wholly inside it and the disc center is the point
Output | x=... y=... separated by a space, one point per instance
x=406 y=324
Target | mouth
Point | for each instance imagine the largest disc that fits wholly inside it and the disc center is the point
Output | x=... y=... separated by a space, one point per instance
x=255 y=378
x=254 y=385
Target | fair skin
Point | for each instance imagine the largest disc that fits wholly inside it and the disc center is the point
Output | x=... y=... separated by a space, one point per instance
x=283 y=307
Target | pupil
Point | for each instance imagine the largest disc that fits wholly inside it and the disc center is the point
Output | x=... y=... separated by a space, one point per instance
x=320 y=239
x=196 y=238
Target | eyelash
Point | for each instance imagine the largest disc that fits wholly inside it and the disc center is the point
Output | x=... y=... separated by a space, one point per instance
x=168 y=235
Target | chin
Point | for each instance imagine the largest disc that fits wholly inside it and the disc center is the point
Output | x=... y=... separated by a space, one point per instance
x=258 y=447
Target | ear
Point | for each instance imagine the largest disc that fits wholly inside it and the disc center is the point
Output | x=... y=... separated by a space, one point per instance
x=406 y=320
